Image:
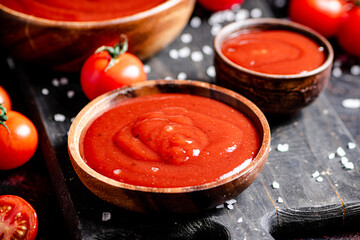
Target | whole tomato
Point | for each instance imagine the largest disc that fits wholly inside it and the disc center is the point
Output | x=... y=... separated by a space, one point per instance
x=217 y=5
x=110 y=68
x=5 y=99
x=349 y=32
x=324 y=16
x=18 y=219
x=18 y=139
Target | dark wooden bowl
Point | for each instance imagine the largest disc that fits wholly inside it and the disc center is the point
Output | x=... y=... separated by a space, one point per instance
x=64 y=45
x=273 y=94
x=175 y=200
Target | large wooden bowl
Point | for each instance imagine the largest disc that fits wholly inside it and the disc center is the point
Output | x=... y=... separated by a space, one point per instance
x=175 y=200
x=64 y=45
x=273 y=94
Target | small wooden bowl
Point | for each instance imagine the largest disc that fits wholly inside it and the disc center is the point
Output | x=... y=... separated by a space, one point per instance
x=273 y=94
x=64 y=45
x=174 y=200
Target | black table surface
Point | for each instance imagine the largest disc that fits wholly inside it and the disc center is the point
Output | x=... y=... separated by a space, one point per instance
x=51 y=187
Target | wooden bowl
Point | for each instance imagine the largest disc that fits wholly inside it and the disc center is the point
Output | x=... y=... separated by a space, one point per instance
x=273 y=94
x=64 y=45
x=177 y=199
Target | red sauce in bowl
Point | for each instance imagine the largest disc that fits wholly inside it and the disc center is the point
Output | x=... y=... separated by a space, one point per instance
x=80 y=10
x=274 y=52
x=170 y=140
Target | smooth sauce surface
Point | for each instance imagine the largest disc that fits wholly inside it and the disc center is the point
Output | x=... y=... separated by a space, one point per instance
x=170 y=140
x=274 y=52
x=80 y=10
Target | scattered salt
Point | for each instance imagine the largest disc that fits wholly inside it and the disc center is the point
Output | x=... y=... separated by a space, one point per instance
x=58 y=117
x=215 y=29
x=168 y=78
x=147 y=68
x=184 y=52
x=70 y=93
x=351 y=145
x=155 y=169
x=315 y=174
x=340 y=152
x=255 y=13
x=355 y=70
x=283 y=147
x=280 y=3
x=331 y=156
x=55 y=82
x=186 y=38
x=242 y=14
x=349 y=166
x=344 y=160
x=220 y=206
x=351 y=103
x=64 y=81
x=195 y=22
x=319 y=179
x=106 y=216
x=197 y=56
x=182 y=76
x=45 y=91
x=275 y=185
x=280 y=200
x=240 y=220
x=117 y=171
x=174 y=54
x=210 y=71
x=230 y=206
x=336 y=72
x=231 y=201
x=207 y=50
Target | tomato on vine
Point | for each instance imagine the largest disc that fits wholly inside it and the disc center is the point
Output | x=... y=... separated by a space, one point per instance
x=18 y=139
x=110 y=68
x=18 y=219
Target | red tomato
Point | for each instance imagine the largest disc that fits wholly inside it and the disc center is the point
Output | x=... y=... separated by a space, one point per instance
x=324 y=16
x=18 y=143
x=217 y=5
x=349 y=32
x=5 y=99
x=18 y=219
x=110 y=69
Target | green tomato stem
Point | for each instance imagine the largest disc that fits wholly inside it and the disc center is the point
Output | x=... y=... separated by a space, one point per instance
x=3 y=117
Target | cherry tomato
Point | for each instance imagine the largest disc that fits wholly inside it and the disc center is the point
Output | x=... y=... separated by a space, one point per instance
x=349 y=32
x=18 y=219
x=18 y=142
x=217 y=5
x=110 y=68
x=324 y=16
x=5 y=99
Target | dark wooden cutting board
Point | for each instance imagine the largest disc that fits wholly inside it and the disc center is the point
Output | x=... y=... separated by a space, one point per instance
x=301 y=205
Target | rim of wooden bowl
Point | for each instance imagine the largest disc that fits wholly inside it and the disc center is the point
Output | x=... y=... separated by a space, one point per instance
x=92 y=24
x=232 y=28
x=87 y=115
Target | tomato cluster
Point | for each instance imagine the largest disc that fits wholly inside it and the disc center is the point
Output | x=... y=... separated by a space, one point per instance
x=18 y=135
x=331 y=18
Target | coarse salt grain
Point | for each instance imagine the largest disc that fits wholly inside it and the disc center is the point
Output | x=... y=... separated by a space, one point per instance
x=55 y=82
x=337 y=72
x=45 y=91
x=240 y=220
x=58 y=117
x=197 y=56
x=219 y=206
x=280 y=3
x=355 y=70
x=207 y=50
x=331 y=156
x=351 y=103
x=344 y=160
x=231 y=201
x=255 y=13
x=147 y=68
x=117 y=171
x=186 y=38
x=210 y=71
x=184 y=52
x=64 y=81
x=70 y=93
x=195 y=22
x=275 y=185
x=319 y=179
x=349 y=166
x=155 y=169
x=169 y=78
x=315 y=174
x=215 y=29
x=283 y=147
x=229 y=15
x=230 y=206
x=340 y=152
x=242 y=14
x=280 y=200
x=182 y=76
x=351 y=145
x=174 y=54
x=106 y=216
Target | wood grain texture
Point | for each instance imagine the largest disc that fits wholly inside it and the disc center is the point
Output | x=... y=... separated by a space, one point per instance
x=65 y=45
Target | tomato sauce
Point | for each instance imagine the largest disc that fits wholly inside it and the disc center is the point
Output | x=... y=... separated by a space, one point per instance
x=170 y=140
x=80 y=10
x=274 y=52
